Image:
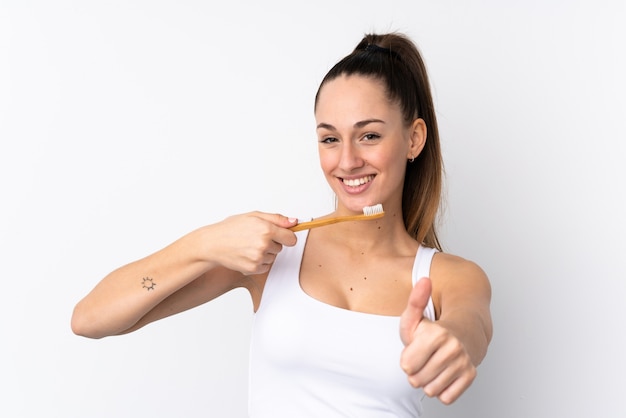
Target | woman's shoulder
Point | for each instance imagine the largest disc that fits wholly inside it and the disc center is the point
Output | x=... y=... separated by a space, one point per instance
x=457 y=280
x=450 y=264
x=449 y=271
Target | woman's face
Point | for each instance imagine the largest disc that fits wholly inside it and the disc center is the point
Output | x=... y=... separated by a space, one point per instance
x=363 y=143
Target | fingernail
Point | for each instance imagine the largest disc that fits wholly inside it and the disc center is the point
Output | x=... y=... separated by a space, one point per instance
x=292 y=220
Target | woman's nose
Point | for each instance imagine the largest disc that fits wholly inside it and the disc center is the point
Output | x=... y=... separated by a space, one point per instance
x=350 y=157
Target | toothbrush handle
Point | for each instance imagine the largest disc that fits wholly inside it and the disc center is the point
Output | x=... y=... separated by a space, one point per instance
x=322 y=222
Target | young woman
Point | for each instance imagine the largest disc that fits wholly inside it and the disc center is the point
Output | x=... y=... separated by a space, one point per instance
x=357 y=318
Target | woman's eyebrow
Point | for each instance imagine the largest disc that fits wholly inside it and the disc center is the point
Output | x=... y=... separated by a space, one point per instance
x=359 y=124
x=367 y=122
x=326 y=126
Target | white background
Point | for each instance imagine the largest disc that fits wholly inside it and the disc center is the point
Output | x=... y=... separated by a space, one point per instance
x=126 y=124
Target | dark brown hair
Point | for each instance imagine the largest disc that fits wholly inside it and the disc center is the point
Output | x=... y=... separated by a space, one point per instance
x=395 y=60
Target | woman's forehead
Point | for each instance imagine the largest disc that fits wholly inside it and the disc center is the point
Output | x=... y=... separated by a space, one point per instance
x=354 y=96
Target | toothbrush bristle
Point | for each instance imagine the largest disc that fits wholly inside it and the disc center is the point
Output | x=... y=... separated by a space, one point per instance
x=373 y=210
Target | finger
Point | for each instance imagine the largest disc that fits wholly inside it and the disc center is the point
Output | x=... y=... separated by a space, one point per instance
x=281 y=234
x=429 y=364
x=414 y=312
x=453 y=390
x=418 y=353
x=277 y=219
x=448 y=371
x=274 y=248
x=285 y=237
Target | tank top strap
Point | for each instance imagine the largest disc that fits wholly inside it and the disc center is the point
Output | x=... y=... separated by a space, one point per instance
x=421 y=268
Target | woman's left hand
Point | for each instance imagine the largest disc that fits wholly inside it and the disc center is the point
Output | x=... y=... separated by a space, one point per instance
x=433 y=358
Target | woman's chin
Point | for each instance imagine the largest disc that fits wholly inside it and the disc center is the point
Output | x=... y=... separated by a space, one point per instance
x=355 y=207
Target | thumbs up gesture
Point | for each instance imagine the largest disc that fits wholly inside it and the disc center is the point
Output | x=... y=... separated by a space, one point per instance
x=433 y=358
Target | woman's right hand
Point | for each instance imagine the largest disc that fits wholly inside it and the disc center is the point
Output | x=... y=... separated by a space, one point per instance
x=196 y=268
x=248 y=243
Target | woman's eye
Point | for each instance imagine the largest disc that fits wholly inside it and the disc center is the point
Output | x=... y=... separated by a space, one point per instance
x=371 y=137
x=328 y=140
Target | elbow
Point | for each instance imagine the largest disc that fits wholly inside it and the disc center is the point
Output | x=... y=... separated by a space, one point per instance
x=83 y=326
x=89 y=323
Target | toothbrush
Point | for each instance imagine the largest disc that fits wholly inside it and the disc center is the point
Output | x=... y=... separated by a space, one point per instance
x=369 y=212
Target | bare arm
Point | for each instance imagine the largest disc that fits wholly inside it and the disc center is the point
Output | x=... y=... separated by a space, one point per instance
x=441 y=356
x=462 y=297
x=197 y=268
x=201 y=290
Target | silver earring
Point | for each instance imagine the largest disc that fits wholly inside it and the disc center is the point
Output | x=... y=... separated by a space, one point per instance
x=411 y=159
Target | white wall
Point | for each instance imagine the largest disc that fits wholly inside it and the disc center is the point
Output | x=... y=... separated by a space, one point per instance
x=125 y=124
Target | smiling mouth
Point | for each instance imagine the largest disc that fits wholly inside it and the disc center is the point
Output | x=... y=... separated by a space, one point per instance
x=357 y=182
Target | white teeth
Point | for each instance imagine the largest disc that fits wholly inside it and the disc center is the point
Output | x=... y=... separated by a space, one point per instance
x=357 y=182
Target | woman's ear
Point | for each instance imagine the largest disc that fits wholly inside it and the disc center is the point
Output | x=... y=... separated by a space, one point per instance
x=418 y=138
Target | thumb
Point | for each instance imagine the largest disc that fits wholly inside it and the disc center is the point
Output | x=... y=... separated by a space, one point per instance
x=281 y=234
x=286 y=222
x=414 y=312
x=278 y=220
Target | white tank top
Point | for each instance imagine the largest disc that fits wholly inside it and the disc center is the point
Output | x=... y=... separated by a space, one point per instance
x=312 y=359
